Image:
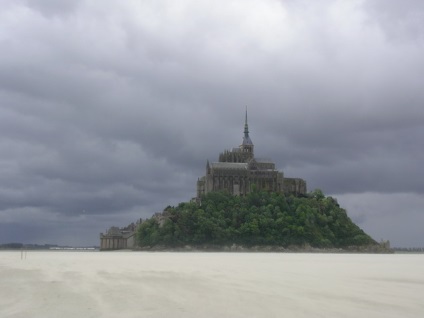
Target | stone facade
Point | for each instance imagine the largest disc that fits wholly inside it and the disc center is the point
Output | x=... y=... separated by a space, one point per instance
x=237 y=171
x=118 y=239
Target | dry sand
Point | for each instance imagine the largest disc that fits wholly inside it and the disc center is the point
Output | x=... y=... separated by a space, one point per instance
x=140 y=284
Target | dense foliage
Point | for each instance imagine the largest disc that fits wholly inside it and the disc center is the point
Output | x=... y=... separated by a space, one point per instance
x=260 y=218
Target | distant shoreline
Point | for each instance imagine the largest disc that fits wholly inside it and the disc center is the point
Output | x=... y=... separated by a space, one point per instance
x=372 y=249
x=46 y=247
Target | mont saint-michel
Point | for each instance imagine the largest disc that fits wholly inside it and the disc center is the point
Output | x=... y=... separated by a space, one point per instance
x=244 y=201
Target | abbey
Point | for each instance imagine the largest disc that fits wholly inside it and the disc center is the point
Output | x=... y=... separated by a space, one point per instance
x=238 y=171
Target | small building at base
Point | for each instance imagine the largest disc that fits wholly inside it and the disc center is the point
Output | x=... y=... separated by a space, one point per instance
x=117 y=239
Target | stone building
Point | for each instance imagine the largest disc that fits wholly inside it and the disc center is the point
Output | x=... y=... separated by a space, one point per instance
x=118 y=238
x=238 y=170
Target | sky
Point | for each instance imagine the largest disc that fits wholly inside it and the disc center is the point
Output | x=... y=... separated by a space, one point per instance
x=110 y=109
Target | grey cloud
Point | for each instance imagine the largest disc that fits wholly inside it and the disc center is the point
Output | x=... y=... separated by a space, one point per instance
x=397 y=217
x=401 y=21
x=52 y=8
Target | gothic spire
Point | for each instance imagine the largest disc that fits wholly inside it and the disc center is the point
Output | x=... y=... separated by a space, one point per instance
x=246 y=138
x=246 y=127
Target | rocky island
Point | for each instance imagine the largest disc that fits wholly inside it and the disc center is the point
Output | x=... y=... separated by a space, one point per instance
x=244 y=203
x=259 y=221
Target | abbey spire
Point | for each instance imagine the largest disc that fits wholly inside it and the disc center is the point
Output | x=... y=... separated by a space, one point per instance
x=247 y=145
x=246 y=127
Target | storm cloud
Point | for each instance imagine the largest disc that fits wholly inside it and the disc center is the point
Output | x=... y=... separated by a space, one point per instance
x=109 y=111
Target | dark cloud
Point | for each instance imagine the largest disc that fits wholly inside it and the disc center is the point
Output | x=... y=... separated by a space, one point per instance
x=109 y=112
x=387 y=216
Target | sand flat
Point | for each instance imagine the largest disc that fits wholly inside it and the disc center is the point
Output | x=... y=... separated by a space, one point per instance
x=141 y=284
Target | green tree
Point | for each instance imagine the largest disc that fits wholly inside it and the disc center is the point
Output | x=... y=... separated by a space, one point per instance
x=259 y=218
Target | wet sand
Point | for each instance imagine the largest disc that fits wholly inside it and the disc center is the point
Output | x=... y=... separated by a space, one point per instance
x=141 y=284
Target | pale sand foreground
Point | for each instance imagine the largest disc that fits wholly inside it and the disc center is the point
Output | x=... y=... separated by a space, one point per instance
x=138 y=284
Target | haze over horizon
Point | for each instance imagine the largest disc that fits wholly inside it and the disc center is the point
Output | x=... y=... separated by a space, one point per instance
x=109 y=110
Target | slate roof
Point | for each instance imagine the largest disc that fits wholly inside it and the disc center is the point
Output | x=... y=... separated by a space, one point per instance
x=247 y=140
